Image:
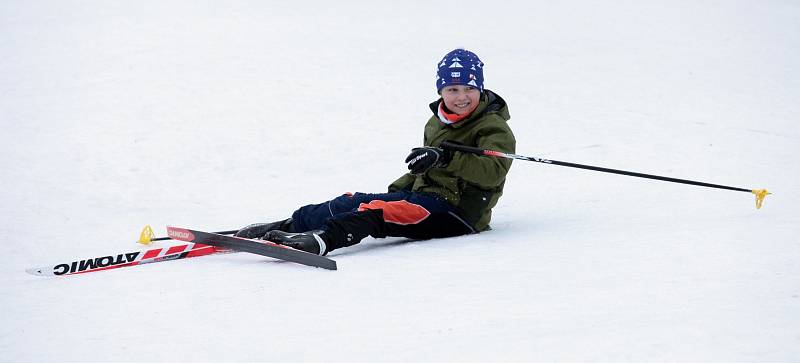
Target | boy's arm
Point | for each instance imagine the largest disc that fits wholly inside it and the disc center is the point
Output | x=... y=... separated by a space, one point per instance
x=485 y=171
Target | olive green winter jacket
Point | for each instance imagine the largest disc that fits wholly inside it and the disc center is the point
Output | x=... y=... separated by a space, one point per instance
x=472 y=183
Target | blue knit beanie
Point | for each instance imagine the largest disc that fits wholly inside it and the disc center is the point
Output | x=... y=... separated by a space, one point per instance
x=460 y=67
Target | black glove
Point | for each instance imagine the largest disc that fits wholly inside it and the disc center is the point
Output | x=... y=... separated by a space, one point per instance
x=423 y=158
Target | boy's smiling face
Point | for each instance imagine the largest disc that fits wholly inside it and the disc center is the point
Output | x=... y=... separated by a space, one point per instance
x=461 y=99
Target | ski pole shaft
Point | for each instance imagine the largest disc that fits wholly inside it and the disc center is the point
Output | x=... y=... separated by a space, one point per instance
x=760 y=193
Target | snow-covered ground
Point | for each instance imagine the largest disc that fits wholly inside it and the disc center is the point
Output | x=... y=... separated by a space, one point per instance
x=213 y=115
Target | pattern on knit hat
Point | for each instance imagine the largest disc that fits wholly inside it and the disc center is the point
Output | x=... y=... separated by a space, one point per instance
x=460 y=67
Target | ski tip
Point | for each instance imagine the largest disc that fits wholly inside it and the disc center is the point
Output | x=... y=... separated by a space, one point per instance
x=180 y=234
x=38 y=271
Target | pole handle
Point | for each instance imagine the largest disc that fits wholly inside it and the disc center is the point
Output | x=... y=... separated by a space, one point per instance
x=448 y=145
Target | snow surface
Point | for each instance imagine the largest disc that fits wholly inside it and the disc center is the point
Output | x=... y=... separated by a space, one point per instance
x=213 y=115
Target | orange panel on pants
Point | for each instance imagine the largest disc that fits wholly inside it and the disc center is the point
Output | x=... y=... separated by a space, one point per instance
x=398 y=212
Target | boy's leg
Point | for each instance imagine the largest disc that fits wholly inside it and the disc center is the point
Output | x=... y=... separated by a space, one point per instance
x=314 y=216
x=418 y=216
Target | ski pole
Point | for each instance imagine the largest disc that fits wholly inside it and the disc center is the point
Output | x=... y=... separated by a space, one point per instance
x=147 y=236
x=759 y=193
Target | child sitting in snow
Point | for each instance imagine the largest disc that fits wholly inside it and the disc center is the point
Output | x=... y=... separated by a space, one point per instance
x=444 y=194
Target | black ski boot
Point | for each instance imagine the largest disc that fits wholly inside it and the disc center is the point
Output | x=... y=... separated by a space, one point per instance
x=311 y=242
x=259 y=230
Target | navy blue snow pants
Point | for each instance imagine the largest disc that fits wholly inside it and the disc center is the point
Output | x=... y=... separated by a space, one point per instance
x=351 y=217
